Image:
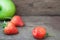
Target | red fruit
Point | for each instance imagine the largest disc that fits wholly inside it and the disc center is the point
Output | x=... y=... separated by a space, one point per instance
x=10 y=29
x=39 y=32
x=17 y=20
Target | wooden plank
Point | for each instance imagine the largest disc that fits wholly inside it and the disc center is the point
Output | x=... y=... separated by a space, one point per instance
x=25 y=33
x=37 y=7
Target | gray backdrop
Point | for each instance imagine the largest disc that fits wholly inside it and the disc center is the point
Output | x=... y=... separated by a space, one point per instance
x=37 y=7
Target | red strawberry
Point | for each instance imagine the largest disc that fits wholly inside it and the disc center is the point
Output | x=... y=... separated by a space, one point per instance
x=10 y=29
x=17 y=20
x=39 y=32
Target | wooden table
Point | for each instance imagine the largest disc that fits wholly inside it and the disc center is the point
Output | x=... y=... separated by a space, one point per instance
x=51 y=23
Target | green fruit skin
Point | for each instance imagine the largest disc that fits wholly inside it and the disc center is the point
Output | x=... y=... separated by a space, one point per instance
x=7 y=9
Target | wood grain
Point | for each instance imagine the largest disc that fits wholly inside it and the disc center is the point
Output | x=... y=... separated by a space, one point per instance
x=37 y=7
x=52 y=25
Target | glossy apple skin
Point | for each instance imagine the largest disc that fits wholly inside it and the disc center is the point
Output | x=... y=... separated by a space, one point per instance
x=7 y=9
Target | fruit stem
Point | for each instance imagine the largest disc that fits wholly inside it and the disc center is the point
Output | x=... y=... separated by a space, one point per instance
x=8 y=17
x=4 y=24
x=47 y=35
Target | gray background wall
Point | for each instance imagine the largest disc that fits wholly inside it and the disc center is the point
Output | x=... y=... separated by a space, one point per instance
x=37 y=7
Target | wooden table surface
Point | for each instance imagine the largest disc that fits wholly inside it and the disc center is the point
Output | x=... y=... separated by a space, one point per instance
x=51 y=23
x=37 y=7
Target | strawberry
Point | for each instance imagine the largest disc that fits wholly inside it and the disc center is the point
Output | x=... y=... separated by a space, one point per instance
x=39 y=32
x=17 y=20
x=10 y=29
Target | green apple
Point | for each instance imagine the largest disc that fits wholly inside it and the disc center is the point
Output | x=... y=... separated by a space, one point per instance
x=7 y=9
